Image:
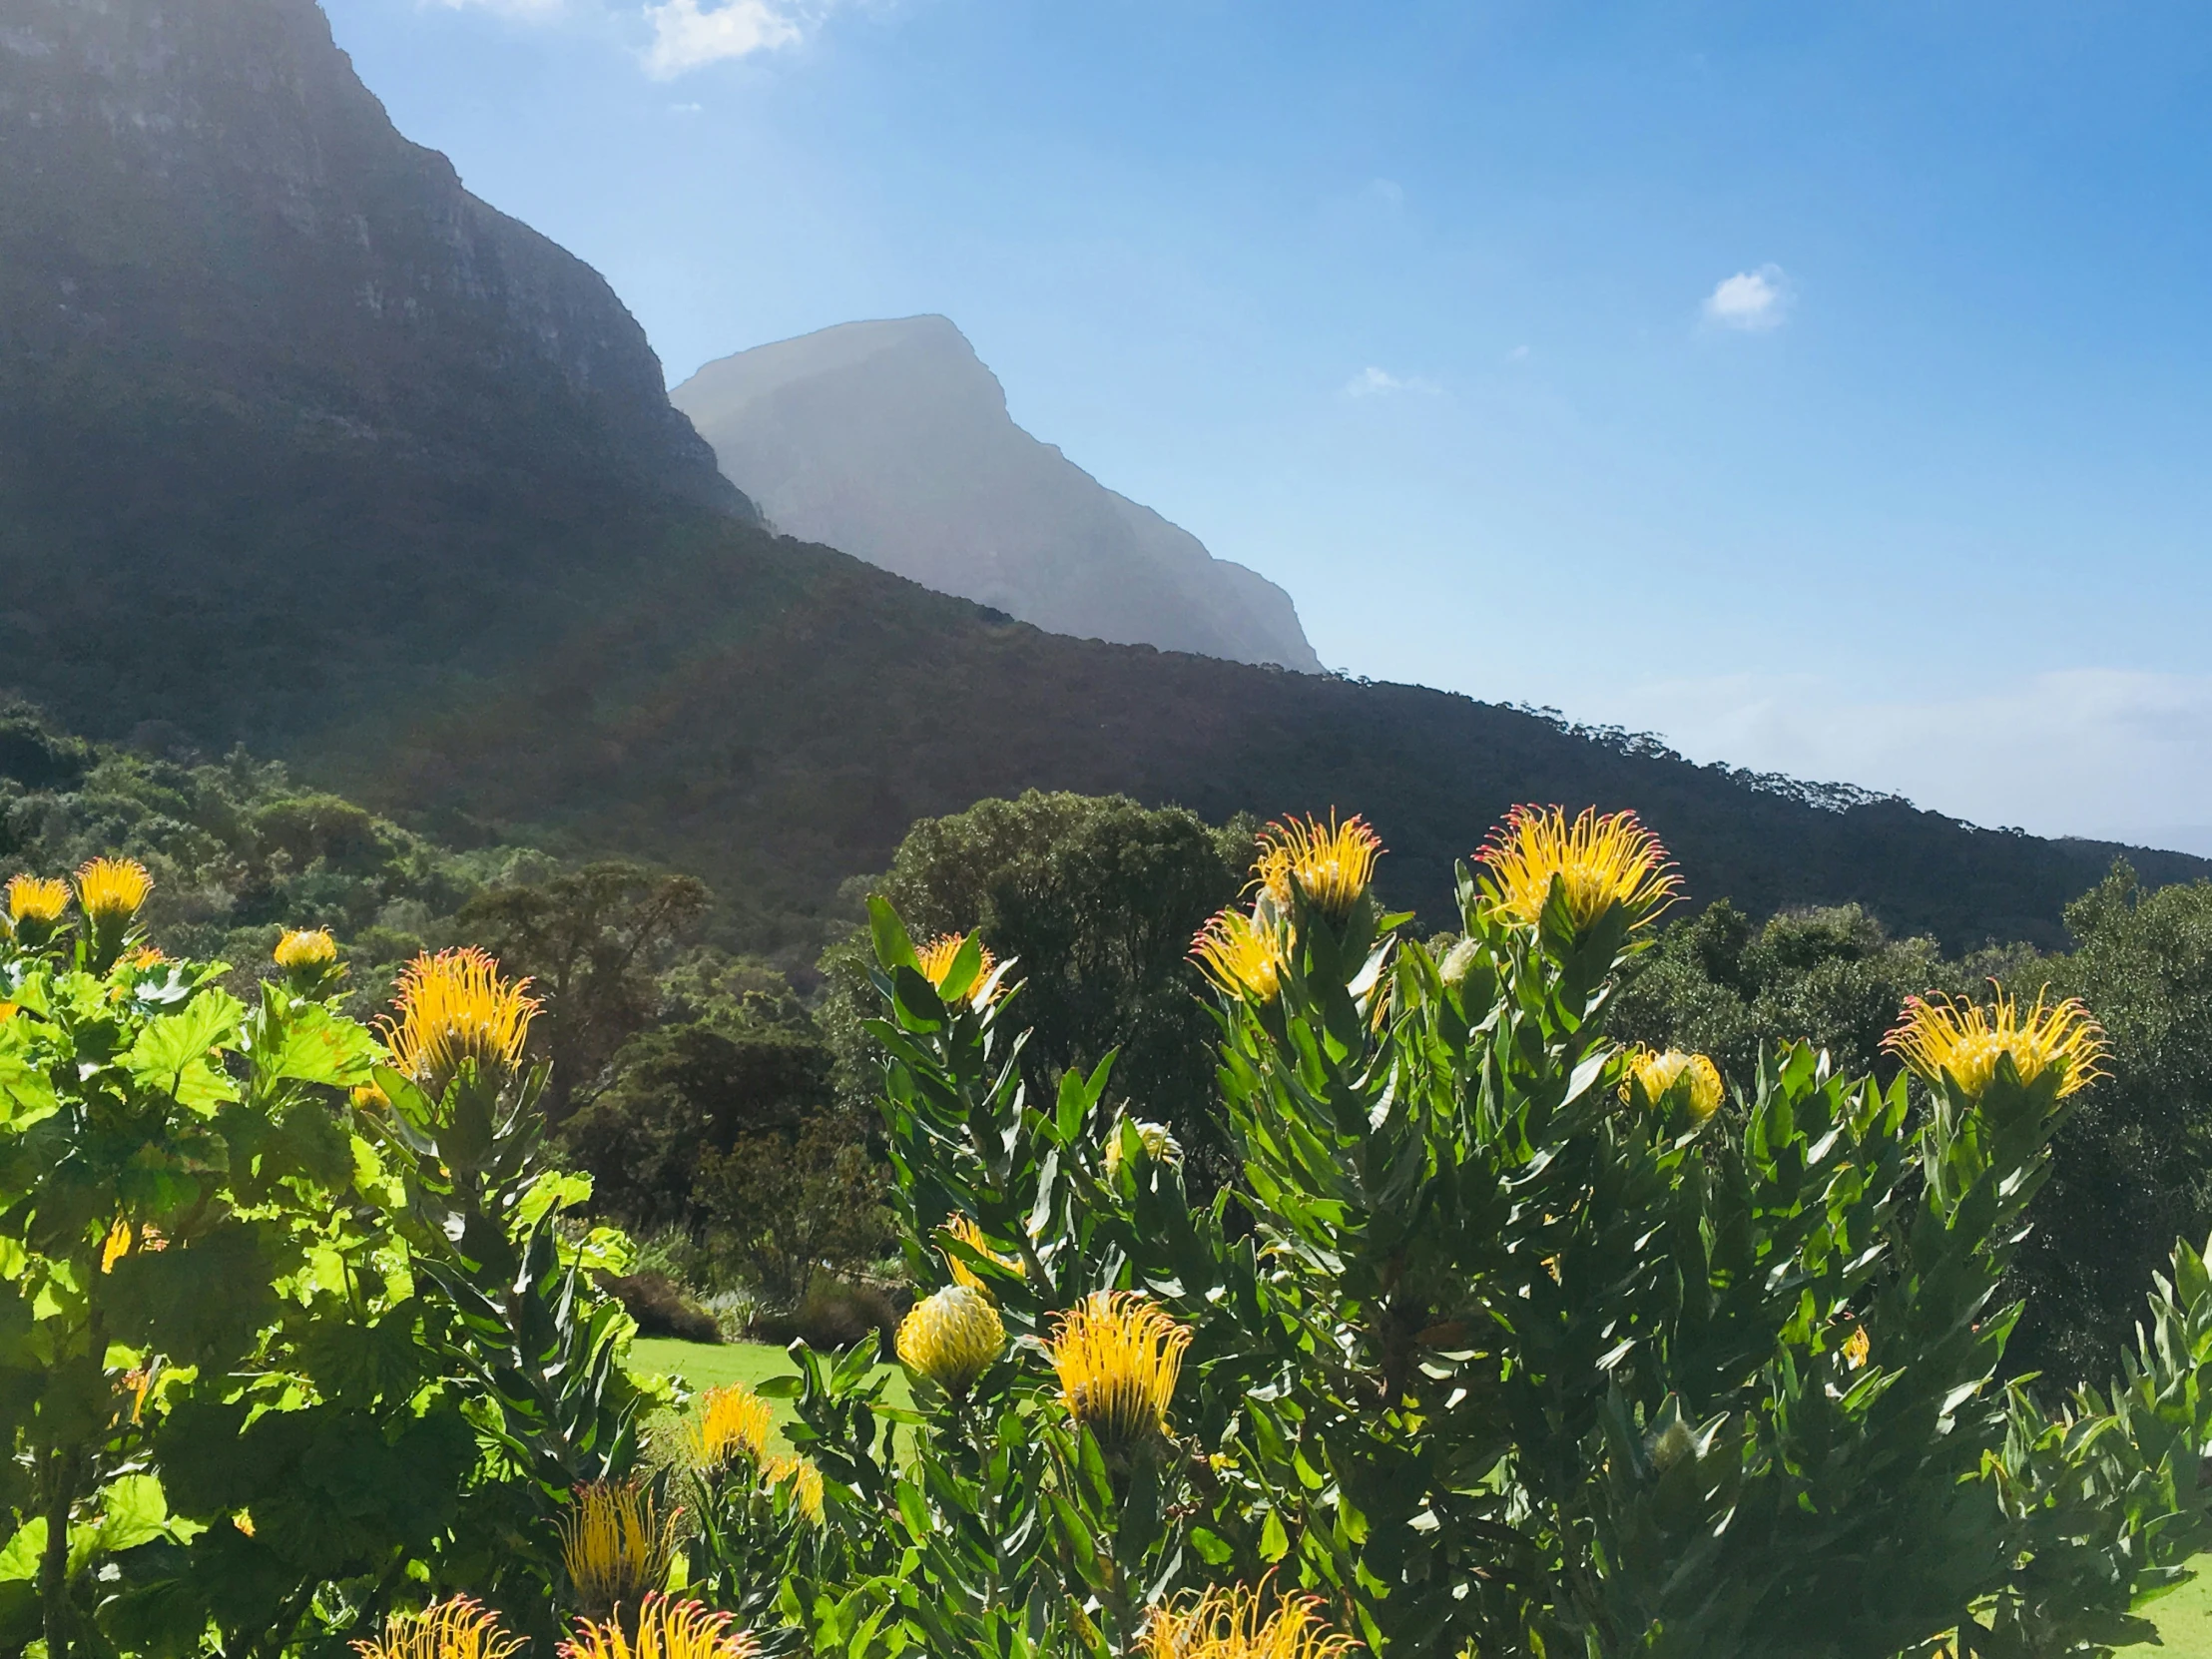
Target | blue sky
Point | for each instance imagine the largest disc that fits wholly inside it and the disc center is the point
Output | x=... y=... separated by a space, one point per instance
x=1824 y=388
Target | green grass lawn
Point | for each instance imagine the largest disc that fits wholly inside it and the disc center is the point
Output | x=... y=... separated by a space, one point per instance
x=713 y=1365
x=2184 y=1619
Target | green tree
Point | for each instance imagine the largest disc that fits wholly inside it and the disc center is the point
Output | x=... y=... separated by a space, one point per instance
x=686 y=1093
x=590 y=940
x=1099 y=898
x=2132 y=1169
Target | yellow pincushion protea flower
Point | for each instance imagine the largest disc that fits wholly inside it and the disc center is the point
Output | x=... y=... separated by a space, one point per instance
x=112 y=889
x=968 y=1233
x=803 y=1478
x=459 y=1629
x=951 y=1338
x=1118 y=1356
x=1963 y=1041
x=1653 y=1073
x=615 y=1544
x=1856 y=1347
x=36 y=900
x=664 y=1630
x=733 y=1423
x=1601 y=862
x=1156 y=1139
x=1244 y=955
x=935 y=960
x=306 y=949
x=455 y=1007
x=1331 y=864
x=1237 y=1622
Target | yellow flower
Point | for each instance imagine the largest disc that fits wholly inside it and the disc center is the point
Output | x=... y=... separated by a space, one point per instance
x=1238 y=1623
x=733 y=1423
x=147 y=957
x=1331 y=864
x=951 y=1338
x=1243 y=956
x=1856 y=1347
x=1963 y=1041
x=306 y=949
x=1163 y=1146
x=968 y=1233
x=455 y=1007
x=459 y=1628
x=112 y=889
x=805 y=1479
x=615 y=1544
x=31 y=898
x=937 y=957
x=1118 y=1356
x=369 y=1098
x=117 y=1247
x=1654 y=1073
x=664 y=1630
x=1601 y=862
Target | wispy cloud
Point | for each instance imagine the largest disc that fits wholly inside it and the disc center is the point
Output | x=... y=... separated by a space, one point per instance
x=1751 y=300
x=687 y=34
x=1377 y=383
x=2107 y=753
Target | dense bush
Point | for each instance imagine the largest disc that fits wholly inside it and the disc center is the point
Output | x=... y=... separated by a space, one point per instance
x=1520 y=1343
x=2132 y=1166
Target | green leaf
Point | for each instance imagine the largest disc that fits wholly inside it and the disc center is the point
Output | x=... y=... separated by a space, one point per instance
x=318 y=1047
x=132 y=1510
x=19 y=1560
x=1275 y=1543
x=171 y=1054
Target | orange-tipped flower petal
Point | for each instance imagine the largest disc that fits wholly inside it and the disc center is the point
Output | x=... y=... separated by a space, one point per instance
x=935 y=961
x=1331 y=864
x=1601 y=862
x=1655 y=1072
x=1963 y=1041
x=34 y=898
x=452 y=1007
x=459 y=1628
x=1236 y=1622
x=1118 y=1355
x=1243 y=956
x=113 y=889
x=664 y=1630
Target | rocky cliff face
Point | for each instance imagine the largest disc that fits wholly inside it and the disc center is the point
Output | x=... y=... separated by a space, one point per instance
x=892 y=442
x=203 y=207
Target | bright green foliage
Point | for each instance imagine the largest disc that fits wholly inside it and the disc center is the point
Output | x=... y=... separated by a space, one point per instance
x=1506 y=1363
x=270 y=1361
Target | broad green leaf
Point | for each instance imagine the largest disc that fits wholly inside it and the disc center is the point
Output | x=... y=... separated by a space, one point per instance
x=21 y=1556
x=319 y=1048
x=172 y=1053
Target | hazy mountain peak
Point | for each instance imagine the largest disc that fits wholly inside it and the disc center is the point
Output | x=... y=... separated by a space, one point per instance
x=891 y=440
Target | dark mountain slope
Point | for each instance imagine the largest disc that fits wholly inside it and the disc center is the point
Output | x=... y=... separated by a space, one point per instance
x=779 y=757
x=301 y=445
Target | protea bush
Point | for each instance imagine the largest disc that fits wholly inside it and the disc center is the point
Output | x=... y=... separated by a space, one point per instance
x=1503 y=1338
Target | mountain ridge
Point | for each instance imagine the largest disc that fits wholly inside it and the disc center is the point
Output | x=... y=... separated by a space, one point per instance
x=466 y=562
x=891 y=439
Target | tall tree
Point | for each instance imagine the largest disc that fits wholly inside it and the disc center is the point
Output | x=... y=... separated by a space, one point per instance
x=1098 y=898
x=588 y=939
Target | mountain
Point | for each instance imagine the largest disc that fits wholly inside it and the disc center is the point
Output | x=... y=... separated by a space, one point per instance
x=892 y=442
x=303 y=446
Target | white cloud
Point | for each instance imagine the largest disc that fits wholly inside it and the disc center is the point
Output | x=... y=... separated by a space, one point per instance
x=1519 y=354
x=1751 y=300
x=1389 y=192
x=1376 y=382
x=2111 y=754
x=687 y=35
